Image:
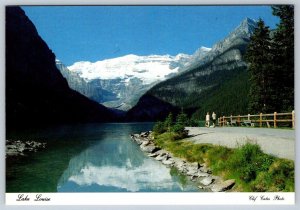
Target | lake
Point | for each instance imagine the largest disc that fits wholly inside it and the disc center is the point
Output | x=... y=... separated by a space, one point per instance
x=91 y=158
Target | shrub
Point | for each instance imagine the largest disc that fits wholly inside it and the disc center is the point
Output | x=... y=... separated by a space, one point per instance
x=178 y=128
x=179 y=135
x=246 y=161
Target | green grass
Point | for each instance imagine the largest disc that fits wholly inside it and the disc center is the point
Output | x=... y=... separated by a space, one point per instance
x=253 y=170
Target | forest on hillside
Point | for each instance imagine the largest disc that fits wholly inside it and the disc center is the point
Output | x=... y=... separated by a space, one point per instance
x=267 y=85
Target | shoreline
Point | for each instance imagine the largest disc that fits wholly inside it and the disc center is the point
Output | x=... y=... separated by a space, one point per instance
x=197 y=172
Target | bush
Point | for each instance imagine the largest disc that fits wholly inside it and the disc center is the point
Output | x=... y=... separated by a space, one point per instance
x=179 y=135
x=245 y=161
x=178 y=128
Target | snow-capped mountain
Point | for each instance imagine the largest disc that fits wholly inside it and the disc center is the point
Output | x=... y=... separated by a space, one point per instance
x=148 y=69
x=119 y=82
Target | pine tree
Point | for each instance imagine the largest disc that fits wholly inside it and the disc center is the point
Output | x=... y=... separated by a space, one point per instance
x=260 y=70
x=182 y=119
x=283 y=51
x=159 y=128
x=168 y=123
x=181 y=122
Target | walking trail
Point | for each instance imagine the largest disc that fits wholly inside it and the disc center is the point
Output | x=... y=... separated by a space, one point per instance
x=278 y=142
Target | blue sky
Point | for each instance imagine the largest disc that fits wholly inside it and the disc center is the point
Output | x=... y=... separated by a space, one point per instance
x=92 y=33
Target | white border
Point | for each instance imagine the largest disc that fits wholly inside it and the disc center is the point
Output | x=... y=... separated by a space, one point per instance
x=143 y=198
x=152 y=198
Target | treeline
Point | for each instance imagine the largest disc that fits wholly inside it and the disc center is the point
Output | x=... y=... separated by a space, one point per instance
x=271 y=70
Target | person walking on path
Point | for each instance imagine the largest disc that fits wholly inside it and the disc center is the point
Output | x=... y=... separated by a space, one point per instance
x=214 y=118
x=207 y=120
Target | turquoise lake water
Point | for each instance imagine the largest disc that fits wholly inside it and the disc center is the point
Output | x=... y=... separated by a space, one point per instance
x=91 y=158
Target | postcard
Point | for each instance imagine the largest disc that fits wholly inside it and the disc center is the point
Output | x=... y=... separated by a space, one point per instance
x=156 y=104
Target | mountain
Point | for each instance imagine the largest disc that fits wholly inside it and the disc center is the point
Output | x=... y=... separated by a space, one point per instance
x=89 y=89
x=237 y=37
x=196 y=59
x=202 y=80
x=36 y=92
x=120 y=82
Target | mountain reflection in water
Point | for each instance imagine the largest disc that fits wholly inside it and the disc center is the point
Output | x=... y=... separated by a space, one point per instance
x=116 y=164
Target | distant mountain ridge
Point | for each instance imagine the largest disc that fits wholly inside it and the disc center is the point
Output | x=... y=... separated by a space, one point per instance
x=192 y=88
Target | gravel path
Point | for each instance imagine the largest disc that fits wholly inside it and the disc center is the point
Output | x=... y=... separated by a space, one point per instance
x=278 y=142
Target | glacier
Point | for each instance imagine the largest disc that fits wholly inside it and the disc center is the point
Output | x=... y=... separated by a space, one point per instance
x=119 y=82
x=148 y=69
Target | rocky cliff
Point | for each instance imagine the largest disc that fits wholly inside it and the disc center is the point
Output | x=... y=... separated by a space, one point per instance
x=36 y=92
x=190 y=89
x=91 y=89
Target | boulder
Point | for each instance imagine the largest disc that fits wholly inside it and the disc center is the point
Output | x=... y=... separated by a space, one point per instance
x=200 y=187
x=145 y=143
x=137 y=140
x=152 y=155
x=148 y=148
x=161 y=152
x=11 y=146
x=205 y=169
x=168 y=161
x=145 y=134
x=160 y=157
x=192 y=172
x=202 y=174
x=194 y=178
x=207 y=181
x=223 y=186
x=178 y=162
x=192 y=169
x=180 y=165
x=195 y=164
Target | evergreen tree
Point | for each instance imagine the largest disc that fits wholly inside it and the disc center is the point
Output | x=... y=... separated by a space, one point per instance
x=283 y=51
x=168 y=123
x=181 y=121
x=159 y=128
x=260 y=70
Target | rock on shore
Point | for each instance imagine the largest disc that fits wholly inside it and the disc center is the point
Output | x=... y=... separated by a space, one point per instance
x=197 y=172
x=20 y=148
